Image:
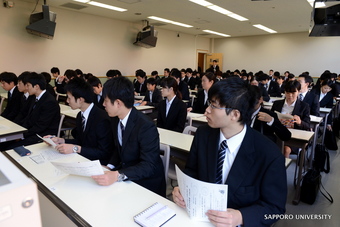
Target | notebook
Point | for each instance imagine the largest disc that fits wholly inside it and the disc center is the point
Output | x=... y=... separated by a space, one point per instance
x=154 y=216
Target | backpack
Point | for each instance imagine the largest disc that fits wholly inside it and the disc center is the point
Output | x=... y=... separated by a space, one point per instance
x=321 y=158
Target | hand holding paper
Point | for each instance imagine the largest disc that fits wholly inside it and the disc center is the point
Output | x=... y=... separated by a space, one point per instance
x=48 y=140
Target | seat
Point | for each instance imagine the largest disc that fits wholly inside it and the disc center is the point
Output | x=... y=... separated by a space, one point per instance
x=65 y=128
x=189 y=130
x=165 y=156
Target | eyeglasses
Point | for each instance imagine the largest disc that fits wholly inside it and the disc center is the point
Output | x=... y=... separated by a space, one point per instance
x=215 y=107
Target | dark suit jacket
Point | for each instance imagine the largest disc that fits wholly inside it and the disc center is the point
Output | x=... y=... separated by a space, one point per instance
x=274 y=89
x=24 y=108
x=257 y=183
x=183 y=88
x=199 y=105
x=139 y=156
x=98 y=103
x=96 y=141
x=327 y=100
x=140 y=90
x=313 y=101
x=191 y=82
x=216 y=69
x=176 y=118
x=276 y=129
x=264 y=94
x=156 y=98
x=13 y=105
x=301 y=109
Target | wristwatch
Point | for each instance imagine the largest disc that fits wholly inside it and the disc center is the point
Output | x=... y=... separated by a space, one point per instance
x=121 y=177
x=75 y=149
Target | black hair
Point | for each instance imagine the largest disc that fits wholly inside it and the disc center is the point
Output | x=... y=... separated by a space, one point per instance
x=37 y=79
x=211 y=76
x=263 y=77
x=94 y=81
x=175 y=73
x=276 y=73
x=47 y=77
x=79 y=88
x=55 y=70
x=290 y=76
x=23 y=77
x=235 y=94
x=154 y=73
x=167 y=70
x=188 y=70
x=9 y=77
x=151 y=81
x=171 y=83
x=327 y=82
x=140 y=73
x=292 y=86
x=119 y=88
x=308 y=78
x=70 y=74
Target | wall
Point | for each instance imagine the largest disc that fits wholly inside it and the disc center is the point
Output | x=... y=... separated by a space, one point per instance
x=91 y=43
x=295 y=52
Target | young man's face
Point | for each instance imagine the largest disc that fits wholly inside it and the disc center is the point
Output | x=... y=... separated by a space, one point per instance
x=217 y=118
x=74 y=104
x=31 y=90
x=98 y=89
x=291 y=96
x=140 y=79
x=183 y=74
x=7 y=86
x=111 y=109
x=304 y=85
x=166 y=73
x=21 y=86
x=150 y=87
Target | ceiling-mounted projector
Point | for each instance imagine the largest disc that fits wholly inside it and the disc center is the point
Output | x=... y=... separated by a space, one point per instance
x=42 y=24
x=146 y=38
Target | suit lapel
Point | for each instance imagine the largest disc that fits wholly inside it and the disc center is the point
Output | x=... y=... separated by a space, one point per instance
x=212 y=147
x=129 y=127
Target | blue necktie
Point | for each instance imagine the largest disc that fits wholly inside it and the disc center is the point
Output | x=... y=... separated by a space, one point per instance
x=83 y=120
x=220 y=161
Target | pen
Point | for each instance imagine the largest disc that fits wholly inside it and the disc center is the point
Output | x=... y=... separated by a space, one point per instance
x=51 y=137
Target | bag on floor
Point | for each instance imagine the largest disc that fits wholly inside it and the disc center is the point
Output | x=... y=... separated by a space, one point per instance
x=321 y=158
x=330 y=141
x=311 y=186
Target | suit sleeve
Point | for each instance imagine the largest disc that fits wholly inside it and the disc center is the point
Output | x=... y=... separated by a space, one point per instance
x=280 y=130
x=181 y=117
x=305 y=119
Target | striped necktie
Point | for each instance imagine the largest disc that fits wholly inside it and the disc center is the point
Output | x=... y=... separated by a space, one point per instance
x=301 y=97
x=220 y=161
x=83 y=121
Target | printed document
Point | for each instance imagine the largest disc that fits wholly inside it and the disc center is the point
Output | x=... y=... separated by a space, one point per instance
x=89 y=168
x=200 y=196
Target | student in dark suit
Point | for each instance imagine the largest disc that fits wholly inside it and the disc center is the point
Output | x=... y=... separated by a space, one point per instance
x=26 y=100
x=272 y=87
x=136 y=155
x=98 y=99
x=309 y=97
x=140 y=83
x=293 y=106
x=9 y=82
x=253 y=168
x=92 y=134
x=264 y=92
x=215 y=68
x=153 y=97
x=154 y=75
x=201 y=104
x=190 y=80
x=44 y=115
x=49 y=87
x=172 y=111
x=265 y=121
x=182 y=85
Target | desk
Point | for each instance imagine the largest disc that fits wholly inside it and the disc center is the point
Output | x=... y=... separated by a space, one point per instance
x=89 y=204
x=3 y=94
x=315 y=123
x=139 y=97
x=10 y=131
x=324 y=112
x=175 y=140
x=300 y=138
x=145 y=109
x=67 y=111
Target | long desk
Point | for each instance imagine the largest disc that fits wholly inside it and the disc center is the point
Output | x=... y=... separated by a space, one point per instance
x=145 y=109
x=67 y=111
x=10 y=131
x=88 y=204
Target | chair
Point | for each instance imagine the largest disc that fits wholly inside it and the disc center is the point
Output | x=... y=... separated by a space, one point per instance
x=165 y=158
x=189 y=130
x=189 y=121
x=1 y=103
x=61 y=128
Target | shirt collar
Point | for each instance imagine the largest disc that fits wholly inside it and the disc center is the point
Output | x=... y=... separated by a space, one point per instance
x=11 y=91
x=170 y=102
x=125 y=119
x=234 y=143
x=293 y=104
x=41 y=94
x=86 y=113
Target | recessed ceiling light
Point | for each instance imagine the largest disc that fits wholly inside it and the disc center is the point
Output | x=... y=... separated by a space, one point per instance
x=170 y=21
x=264 y=28
x=102 y=5
x=216 y=33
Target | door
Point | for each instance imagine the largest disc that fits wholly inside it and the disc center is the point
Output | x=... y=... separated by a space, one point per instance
x=210 y=57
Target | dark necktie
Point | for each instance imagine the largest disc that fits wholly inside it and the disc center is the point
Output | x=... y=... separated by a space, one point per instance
x=122 y=128
x=35 y=103
x=266 y=86
x=301 y=97
x=9 y=95
x=83 y=121
x=220 y=161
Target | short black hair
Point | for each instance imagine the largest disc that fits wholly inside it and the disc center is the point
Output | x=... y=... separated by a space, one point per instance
x=151 y=81
x=37 y=79
x=23 y=77
x=175 y=73
x=308 y=78
x=263 y=77
x=9 y=77
x=140 y=73
x=79 y=88
x=47 y=77
x=235 y=94
x=292 y=86
x=94 y=81
x=167 y=70
x=211 y=76
x=55 y=70
x=119 y=88
x=188 y=70
x=154 y=73
x=171 y=83
x=276 y=73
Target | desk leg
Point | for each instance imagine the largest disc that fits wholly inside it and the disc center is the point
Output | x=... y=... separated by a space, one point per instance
x=296 y=199
x=315 y=140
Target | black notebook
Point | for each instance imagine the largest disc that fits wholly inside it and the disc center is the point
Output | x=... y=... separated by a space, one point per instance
x=154 y=216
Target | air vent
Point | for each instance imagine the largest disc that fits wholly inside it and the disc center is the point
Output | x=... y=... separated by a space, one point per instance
x=73 y=6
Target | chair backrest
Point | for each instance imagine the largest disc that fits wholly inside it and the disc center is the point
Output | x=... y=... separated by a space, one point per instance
x=62 y=116
x=2 y=101
x=165 y=149
x=189 y=120
x=189 y=130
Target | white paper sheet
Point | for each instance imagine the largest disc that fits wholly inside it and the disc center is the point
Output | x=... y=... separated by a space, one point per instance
x=48 y=140
x=200 y=196
x=89 y=168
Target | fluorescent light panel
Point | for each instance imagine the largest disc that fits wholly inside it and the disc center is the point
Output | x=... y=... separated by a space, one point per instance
x=216 y=33
x=170 y=21
x=219 y=9
x=317 y=4
x=102 y=5
x=264 y=28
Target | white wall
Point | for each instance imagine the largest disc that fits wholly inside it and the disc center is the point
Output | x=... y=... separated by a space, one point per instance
x=295 y=52
x=91 y=43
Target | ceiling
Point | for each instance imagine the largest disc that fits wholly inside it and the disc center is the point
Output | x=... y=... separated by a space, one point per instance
x=283 y=16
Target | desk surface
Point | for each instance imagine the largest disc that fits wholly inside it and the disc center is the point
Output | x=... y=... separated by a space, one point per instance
x=113 y=205
x=302 y=135
x=175 y=139
x=140 y=108
x=3 y=94
x=9 y=130
x=67 y=111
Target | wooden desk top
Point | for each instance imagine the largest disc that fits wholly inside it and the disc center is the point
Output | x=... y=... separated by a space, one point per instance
x=113 y=205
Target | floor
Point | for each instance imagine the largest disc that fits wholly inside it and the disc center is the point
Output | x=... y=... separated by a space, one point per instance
x=296 y=214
